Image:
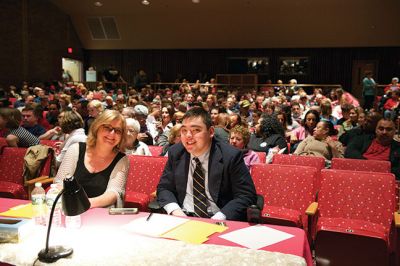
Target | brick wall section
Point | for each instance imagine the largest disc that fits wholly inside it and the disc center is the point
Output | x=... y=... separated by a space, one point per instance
x=48 y=33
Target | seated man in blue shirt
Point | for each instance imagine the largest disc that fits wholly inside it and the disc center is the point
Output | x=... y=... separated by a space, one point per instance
x=30 y=121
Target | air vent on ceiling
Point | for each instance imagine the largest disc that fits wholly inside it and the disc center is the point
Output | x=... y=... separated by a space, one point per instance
x=103 y=28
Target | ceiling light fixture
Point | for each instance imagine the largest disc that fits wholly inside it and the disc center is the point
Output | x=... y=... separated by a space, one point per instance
x=98 y=4
x=145 y=2
x=196 y=1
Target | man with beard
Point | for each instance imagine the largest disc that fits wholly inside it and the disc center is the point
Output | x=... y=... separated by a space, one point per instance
x=381 y=147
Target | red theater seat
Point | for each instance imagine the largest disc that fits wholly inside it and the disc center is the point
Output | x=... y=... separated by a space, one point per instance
x=287 y=190
x=361 y=165
x=354 y=218
x=143 y=176
x=155 y=150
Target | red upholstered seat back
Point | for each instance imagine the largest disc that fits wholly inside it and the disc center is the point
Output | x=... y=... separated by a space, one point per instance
x=155 y=150
x=12 y=100
x=3 y=143
x=11 y=164
x=357 y=195
x=361 y=165
x=144 y=173
x=48 y=142
x=317 y=162
x=285 y=185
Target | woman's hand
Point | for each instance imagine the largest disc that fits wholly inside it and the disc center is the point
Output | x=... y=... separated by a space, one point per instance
x=293 y=138
x=158 y=125
x=142 y=137
x=56 y=130
x=329 y=141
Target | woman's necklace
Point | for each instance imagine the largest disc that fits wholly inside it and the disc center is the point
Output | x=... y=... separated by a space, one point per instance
x=97 y=162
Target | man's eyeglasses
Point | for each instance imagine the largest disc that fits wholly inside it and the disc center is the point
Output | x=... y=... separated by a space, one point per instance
x=110 y=129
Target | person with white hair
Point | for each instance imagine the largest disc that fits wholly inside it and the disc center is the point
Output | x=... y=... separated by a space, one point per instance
x=293 y=86
x=393 y=86
x=133 y=145
x=147 y=130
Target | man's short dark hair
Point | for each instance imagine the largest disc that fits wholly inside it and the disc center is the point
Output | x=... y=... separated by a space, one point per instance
x=199 y=112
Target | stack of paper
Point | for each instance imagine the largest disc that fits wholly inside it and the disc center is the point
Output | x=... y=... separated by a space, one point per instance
x=256 y=237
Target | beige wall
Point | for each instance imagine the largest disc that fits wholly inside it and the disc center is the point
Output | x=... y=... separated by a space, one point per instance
x=176 y=24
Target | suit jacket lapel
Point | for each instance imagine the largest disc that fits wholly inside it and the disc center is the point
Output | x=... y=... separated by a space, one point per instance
x=215 y=171
x=182 y=170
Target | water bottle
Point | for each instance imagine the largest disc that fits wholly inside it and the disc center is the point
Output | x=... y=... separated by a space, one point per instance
x=38 y=196
x=73 y=222
x=50 y=198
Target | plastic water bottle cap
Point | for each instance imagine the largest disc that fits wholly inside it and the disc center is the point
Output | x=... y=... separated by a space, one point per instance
x=38 y=184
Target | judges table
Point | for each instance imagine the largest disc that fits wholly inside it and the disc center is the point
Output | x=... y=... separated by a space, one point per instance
x=102 y=241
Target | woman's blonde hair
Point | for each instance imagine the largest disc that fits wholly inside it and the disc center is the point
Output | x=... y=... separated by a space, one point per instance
x=104 y=118
x=96 y=104
x=326 y=107
x=222 y=120
x=244 y=131
x=66 y=98
x=174 y=132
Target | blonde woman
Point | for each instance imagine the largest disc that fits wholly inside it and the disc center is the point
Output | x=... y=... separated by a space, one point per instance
x=100 y=165
x=65 y=102
x=239 y=137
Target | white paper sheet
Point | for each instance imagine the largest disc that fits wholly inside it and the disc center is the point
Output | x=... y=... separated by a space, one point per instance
x=157 y=225
x=256 y=237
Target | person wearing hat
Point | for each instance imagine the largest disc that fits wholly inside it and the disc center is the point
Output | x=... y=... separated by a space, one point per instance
x=244 y=111
x=141 y=115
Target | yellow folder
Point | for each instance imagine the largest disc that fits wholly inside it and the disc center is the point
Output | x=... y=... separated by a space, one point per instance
x=20 y=211
x=194 y=232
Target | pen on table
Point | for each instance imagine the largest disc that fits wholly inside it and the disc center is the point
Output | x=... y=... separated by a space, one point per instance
x=148 y=217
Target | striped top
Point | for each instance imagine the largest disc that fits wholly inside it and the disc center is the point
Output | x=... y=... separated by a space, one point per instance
x=26 y=139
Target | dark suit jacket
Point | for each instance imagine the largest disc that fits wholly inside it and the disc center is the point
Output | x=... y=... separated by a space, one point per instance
x=229 y=180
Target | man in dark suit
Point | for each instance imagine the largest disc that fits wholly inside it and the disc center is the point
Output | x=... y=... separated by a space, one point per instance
x=225 y=189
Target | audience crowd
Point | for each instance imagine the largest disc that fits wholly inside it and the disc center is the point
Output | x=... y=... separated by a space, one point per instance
x=270 y=119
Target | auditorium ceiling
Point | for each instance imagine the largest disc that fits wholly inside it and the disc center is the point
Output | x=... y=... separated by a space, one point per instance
x=205 y=24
